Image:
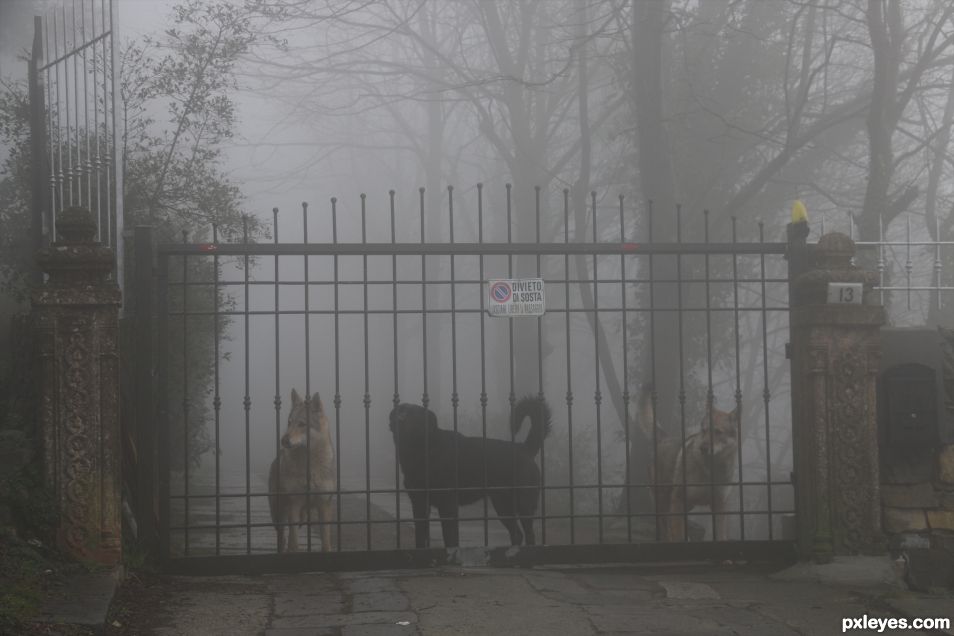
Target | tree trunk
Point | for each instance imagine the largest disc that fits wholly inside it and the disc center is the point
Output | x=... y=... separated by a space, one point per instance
x=657 y=184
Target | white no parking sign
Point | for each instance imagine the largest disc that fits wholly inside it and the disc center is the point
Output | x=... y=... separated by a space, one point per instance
x=513 y=297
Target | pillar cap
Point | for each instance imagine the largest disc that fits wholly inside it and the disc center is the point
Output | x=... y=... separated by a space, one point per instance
x=831 y=264
x=77 y=258
x=75 y=225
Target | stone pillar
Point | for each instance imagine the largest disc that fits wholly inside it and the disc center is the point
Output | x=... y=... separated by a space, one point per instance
x=835 y=352
x=75 y=316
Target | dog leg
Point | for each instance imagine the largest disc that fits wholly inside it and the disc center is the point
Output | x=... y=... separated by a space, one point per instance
x=676 y=522
x=280 y=527
x=293 y=515
x=325 y=517
x=422 y=513
x=527 y=523
x=505 y=503
x=449 y=512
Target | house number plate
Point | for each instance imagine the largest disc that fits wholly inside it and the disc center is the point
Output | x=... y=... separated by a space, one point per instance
x=844 y=293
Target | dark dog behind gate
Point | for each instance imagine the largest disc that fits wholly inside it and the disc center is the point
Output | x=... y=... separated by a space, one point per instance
x=446 y=469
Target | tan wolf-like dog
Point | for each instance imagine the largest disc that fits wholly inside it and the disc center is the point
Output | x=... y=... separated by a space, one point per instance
x=709 y=456
x=306 y=448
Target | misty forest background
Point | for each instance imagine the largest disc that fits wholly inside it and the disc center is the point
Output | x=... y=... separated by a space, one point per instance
x=730 y=106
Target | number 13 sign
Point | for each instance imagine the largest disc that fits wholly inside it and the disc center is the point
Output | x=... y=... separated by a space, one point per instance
x=844 y=293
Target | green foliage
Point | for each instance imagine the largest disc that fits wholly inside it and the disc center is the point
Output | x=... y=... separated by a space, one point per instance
x=14 y=191
x=177 y=111
x=30 y=503
x=22 y=570
x=173 y=173
x=174 y=182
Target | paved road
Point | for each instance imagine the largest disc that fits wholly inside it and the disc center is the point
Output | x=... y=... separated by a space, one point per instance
x=621 y=599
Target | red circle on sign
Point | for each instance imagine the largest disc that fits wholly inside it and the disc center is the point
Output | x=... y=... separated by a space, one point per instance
x=500 y=292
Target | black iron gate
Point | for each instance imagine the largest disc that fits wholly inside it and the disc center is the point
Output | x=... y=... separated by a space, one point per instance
x=384 y=313
x=74 y=98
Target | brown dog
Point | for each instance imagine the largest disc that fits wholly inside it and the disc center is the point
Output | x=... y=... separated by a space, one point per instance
x=682 y=473
x=306 y=452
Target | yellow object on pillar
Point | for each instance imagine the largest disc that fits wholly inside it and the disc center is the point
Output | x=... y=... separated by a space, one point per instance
x=799 y=213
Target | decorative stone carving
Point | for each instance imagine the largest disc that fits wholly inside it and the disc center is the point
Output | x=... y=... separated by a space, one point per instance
x=76 y=328
x=835 y=355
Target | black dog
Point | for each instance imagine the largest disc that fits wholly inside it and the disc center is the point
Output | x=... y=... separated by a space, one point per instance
x=445 y=469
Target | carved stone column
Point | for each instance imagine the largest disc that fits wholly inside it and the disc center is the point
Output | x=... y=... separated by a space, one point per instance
x=835 y=355
x=76 y=321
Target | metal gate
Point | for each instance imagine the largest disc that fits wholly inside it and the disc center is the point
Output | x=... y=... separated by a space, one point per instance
x=396 y=308
x=74 y=97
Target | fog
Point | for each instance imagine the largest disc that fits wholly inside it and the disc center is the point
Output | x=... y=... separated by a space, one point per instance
x=638 y=122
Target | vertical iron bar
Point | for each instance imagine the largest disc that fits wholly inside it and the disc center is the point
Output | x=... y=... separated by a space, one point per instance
x=455 y=398
x=144 y=406
x=97 y=160
x=937 y=260
x=185 y=392
x=657 y=491
x=87 y=166
x=367 y=378
x=881 y=261
x=308 y=393
x=216 y=399
x=52 y=134
x=277 y=400
x=543 y=463
x=569 y=363
x=626 y=396
x=58 y=134
x=597 y=394
x=908 y=265
x=710 y=393
x=306 y=277
x=424 y=397
x=66 y=107
x=513 y=395
x=247 y=401
x=766 y=394
x=738 y=378
x=483 y=353
x=37 y=145
x=396 y=398
x=78 y=168
x=107 y=136
x=682 y=375
x=425 y=400
x=117 y=163
x=163 y=441
x=337 y=399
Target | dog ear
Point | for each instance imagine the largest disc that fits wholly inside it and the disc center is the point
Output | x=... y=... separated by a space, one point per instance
x=316 y=403
x=296 y=399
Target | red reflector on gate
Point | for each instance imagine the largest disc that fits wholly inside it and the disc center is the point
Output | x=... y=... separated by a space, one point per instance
x=208 y=247
x=630 y=247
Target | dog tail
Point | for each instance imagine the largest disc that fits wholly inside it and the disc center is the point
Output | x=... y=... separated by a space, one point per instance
x=537 y=409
